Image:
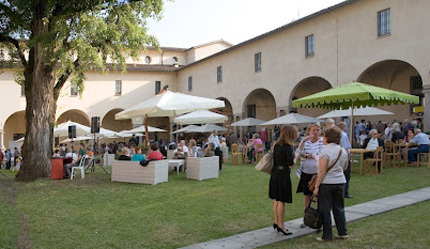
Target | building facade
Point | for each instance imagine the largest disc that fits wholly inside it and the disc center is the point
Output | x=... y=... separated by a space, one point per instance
x=379 y=42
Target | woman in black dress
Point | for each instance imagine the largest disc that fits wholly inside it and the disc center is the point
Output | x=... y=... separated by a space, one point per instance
x=280 y=181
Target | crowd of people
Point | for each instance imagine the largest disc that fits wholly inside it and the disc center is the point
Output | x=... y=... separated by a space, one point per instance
x=10 y=158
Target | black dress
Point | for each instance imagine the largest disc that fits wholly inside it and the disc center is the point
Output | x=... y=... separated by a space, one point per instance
x=280 y=181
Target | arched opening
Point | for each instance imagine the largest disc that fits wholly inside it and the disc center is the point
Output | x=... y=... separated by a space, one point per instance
x=227 y=110
x=109 y=121
x=14 y=127
x=307 y=87
x=260 y=104
x=74 y=115
x=162 y=123
x=398 y=76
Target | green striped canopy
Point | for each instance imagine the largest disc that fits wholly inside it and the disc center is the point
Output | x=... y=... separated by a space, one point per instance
x=355 y=94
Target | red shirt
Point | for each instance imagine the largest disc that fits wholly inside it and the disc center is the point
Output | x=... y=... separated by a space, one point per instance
x=155 y=155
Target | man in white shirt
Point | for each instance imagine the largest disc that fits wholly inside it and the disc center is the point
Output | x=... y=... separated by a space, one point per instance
x=372 y=143
x=74 y=157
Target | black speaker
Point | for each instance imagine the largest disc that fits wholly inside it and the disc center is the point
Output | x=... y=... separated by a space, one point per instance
x=95 y=124
x=72 y=131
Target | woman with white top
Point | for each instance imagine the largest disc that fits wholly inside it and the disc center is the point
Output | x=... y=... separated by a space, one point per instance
x=308 y=151
x=330 y=185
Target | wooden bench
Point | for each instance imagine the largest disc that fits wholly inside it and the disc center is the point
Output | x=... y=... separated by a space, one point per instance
x=201 y=168
x=131 y=171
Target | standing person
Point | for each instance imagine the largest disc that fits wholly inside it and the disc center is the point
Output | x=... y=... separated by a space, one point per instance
x=387 y=132
x=16 y=156
x=8 y=159
x=344 y=143
x=218 y=152
x=329 y=123
x=280 y=190
x=330 y=185
x=309 y=150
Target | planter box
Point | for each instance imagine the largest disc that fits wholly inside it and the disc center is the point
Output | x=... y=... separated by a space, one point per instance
x=200 y=168
x=129 y=171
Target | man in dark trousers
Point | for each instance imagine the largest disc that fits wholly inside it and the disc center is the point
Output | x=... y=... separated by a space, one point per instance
x=344 y=143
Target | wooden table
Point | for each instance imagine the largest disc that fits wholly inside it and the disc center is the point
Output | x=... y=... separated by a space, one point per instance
x=361 y=152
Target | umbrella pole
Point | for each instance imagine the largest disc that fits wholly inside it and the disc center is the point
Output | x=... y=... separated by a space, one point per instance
x=351 y=130
x=146 y=130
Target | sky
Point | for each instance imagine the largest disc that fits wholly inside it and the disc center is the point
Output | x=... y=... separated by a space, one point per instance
x=188 y=23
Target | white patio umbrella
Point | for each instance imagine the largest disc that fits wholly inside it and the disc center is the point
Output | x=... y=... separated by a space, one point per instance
x=292 y=118
x=168 y=104
x=207 y=128
x=62 y=130
x=362 y=111
x=80 y=138
x=185 y=129
x=141 y=129
x=248 y=122
x=201 y=117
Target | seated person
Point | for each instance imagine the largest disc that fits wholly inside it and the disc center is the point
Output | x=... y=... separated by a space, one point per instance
x=253 y=147
x=181 y=152
x=372 y=143
x=422 y=141
x=154 y=154
x=410 y=135
x=89 y=151
x=124 y=155
x=192 y=150
x=397 y=134
x=75 y=160
x=209 y=150
x=56 y=153
x=138 y=155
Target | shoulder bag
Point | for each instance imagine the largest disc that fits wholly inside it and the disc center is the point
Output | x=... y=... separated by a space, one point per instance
x=312 y=183
x=266 y=163
x=312 y=216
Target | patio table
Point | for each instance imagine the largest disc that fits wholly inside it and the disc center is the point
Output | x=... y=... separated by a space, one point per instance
x=361 y=152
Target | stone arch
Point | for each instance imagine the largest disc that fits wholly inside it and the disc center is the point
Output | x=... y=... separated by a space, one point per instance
x=74 y=115
x=227 y=110
x=109 y=121
x=305 y=87
x=260 y=104
x=14 y=127
x=395 y=75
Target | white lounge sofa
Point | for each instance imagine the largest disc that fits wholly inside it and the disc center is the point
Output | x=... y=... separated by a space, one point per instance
x=201 y=168
x=130 y=171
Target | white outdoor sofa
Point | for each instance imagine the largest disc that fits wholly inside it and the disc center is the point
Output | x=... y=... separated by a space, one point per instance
x=131 y=171
x=201 y=168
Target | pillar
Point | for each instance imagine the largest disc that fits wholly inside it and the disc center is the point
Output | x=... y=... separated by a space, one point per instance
x=1 y=138
x=426 y=121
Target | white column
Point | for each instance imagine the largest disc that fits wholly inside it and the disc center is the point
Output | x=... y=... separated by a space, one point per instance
x=426 y=121
x=1 y=138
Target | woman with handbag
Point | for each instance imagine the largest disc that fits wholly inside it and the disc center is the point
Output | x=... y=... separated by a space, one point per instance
x=330 y=185
x=308 y=151
x=280 y=182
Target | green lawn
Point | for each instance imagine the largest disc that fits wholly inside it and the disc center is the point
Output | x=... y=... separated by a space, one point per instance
x=97 y=213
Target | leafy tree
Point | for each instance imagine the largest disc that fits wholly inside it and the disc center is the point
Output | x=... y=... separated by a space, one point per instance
x=59 y=40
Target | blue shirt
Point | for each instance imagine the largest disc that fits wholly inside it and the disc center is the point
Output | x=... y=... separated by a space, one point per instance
x=138 y=157
x=420 y=138
x=344 y=141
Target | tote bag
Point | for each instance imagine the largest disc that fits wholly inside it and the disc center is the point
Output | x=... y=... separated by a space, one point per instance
x=266 y=163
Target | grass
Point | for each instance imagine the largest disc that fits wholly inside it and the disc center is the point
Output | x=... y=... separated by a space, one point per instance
x=97 y=213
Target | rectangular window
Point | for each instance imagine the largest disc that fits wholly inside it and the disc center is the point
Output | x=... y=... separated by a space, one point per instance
x=118 y=87
x=257 y=62
x=73 y=90
x=309 y=41
x=252 y=111
x=190 y=83
x=384 y=22
x=157 y=87
x=219 y=74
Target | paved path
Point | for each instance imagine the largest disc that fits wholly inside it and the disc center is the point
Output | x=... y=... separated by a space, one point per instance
x=267 y=236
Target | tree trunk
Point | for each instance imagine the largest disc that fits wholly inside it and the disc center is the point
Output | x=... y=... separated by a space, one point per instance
x=39 y=81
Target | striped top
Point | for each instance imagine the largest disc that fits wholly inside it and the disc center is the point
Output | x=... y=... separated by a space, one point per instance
x=310 y=165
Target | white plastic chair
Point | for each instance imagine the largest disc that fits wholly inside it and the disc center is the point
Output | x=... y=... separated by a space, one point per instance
x=81 y=166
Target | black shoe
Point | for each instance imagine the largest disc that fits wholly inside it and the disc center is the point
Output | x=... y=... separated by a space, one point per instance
x=282 y=231
x=349 y=196
x=275 y=226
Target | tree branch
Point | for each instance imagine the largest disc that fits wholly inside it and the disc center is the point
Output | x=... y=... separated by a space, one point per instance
x=63 y=78
x=15 y=42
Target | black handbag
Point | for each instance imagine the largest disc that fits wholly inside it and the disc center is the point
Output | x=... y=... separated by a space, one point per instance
x=312 y=217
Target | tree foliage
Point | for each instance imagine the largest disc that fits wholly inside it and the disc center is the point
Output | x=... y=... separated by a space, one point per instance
x=81 y=35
